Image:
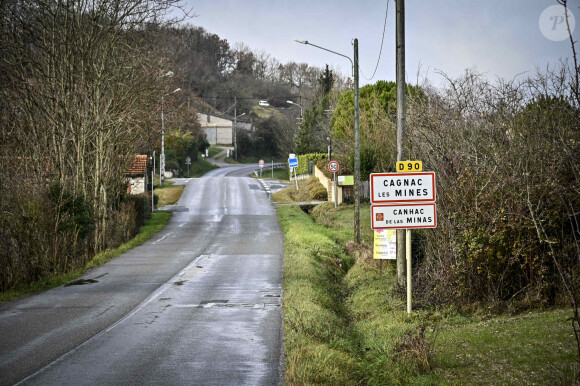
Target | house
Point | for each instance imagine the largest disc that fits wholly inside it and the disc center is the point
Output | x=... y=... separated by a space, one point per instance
x=219 y=129
x=137 y=175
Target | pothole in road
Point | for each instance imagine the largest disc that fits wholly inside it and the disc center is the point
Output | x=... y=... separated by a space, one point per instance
x=81 y=282
x=85 y=281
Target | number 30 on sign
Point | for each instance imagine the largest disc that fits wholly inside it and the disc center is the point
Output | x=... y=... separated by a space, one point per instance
x=409 y=166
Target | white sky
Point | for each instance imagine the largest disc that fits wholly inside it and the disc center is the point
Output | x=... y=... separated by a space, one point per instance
x=500 y=38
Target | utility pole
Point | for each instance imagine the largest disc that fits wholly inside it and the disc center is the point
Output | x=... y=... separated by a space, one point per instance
x=401 y=134
x=356 y=149
x=162 y=156
x=235 y=128
x=356 y=133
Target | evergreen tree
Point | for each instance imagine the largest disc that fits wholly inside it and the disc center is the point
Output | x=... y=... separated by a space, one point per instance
x=326 y=81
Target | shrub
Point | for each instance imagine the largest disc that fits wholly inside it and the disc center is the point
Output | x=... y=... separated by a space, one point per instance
x=506 y=182
x=318 y=192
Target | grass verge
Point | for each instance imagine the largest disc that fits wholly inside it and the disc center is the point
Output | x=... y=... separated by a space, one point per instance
x=344 y=323
x=279 y=174
x=213 y=151
x=168 y=194
x=200 y=167
x=152 y=226
x=308 y=190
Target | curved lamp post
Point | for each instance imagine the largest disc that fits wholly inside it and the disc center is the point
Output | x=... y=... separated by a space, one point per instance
x=355 y=71
x=292 y=103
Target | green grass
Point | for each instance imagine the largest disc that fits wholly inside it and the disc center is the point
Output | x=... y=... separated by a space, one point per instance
x=314 y=320
x=279 y=174
x=200 y=167
x=213 y=151
x=151 y=227
x=345 y=323
x=532 y=348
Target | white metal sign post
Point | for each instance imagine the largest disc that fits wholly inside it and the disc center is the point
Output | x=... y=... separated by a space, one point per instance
x=293 y=163
x=404 y=201
x=261 y=164
x=334 y=167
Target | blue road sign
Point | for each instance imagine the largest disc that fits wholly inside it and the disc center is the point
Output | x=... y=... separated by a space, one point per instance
x=293 y=162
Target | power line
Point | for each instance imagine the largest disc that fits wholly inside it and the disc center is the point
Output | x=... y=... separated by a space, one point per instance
x=381 y=50
x=247 y=98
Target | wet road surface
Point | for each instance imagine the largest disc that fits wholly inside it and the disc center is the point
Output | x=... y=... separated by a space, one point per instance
x=199 y=303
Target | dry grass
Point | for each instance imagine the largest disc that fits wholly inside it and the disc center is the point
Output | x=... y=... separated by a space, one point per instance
x=308 y=190
x=168 y=195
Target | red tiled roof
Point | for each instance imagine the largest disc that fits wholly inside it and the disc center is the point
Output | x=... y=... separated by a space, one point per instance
x=138 y=165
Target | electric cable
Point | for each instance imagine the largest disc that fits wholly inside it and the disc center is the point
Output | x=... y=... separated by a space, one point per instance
x=381 y=50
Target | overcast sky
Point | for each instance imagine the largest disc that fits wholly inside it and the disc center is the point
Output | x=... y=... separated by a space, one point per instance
x=500 y=38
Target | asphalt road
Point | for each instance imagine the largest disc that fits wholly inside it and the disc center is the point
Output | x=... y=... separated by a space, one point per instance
x=198 y=304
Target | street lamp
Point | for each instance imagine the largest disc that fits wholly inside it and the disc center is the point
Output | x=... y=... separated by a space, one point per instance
x=354 y=65
x=162 y=156
x=292 y=103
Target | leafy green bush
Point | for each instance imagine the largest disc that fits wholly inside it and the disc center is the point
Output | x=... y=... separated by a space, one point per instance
x=304 y=159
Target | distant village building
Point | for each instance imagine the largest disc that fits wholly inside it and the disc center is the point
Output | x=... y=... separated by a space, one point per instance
x=219 y=128
x=136 y=175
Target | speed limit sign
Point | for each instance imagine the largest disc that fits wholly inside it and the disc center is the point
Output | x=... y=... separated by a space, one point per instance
x=333 y=166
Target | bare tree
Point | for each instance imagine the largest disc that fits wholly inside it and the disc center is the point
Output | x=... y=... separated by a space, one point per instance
x=79 y=89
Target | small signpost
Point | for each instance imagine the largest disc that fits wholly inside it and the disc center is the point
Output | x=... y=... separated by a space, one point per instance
x=334 y=167
x=404 y=200
x=188 y=162
x=293 y=163
x=261 y=164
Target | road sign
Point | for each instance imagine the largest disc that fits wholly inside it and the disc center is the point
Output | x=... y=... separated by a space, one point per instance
x=409 y=166
x=402 y=187
x=404 y=216
x=261 y=163
x=293 y=162
x=333 y=166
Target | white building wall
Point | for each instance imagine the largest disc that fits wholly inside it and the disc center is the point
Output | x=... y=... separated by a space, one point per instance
x=136 y=185
x=218 y=130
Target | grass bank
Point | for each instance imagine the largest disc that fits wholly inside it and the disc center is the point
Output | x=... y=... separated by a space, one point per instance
x=279 y=174
x=308 y=190
x=168 y=194
x=201 y=166
x=345 y=323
